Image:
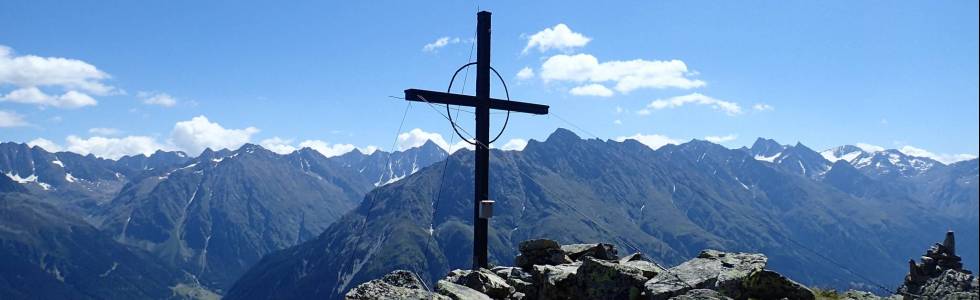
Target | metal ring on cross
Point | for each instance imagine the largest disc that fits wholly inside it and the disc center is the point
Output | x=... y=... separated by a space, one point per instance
x=453 y=123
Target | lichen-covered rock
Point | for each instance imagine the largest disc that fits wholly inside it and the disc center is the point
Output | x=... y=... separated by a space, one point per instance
x=540 y=252
x=950 y=284
x=459 y=292
x=483 y=281
x=712 y=269
x=556 y=282
x=765 y=284
x=600 y=279
x=598 y=250
x=701 y=294
x=399 y=284
x=640 y=261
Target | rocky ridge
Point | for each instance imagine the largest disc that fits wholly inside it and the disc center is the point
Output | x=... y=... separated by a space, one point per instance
x=546 y=270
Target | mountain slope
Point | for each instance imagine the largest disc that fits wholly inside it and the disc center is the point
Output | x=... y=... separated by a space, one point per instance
x=48 y=254
x=399 y=163
x=217 y=214
x=670 y=203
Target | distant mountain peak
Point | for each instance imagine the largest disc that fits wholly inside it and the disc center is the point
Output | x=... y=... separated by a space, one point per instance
x=562 y=135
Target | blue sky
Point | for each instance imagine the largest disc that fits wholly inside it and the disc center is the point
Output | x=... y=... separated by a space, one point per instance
x=316 y=73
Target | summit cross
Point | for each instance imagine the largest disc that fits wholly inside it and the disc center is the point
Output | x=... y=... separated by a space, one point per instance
x=482 y=103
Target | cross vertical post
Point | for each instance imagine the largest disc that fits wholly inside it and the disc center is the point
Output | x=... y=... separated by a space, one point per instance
x=482 y=175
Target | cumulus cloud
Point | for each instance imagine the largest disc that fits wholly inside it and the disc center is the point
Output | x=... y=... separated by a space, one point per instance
x=198 y=133
x=278 y=145
x=559 y=37
x=654 y=141
x=112 y=148
x=159 y=99
x=417 y=137
x=942 y=157
x=762 y=107
x=33 y=95
x=721 y=139
x=525 y=73
x=104 y=131
x=327 y=149
x=29 y=73
x=618 y=122
x=594 y=89
x=869 y=147
x=627 y=75
x=11 y=119
x=440 y=42
x=730 y=108
x=45 y=144
x=515 y=145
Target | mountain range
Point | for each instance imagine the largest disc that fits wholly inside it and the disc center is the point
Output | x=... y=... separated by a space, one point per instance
x=208 y=217
x=250 y=223
x=787 y=201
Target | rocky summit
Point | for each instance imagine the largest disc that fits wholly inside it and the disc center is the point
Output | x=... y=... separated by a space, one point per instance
x=939 y=275
x=546 y=270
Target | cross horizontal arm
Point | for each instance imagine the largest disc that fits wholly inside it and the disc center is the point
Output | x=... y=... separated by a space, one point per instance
x=466 y=100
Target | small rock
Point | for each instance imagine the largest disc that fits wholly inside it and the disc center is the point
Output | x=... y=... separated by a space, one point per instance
x=649 y=269
x=483 y=281
x=599 y=250
x=556 y=282
x=634 y=257
x=601 y=279
x=399 y=284
x=712 y=269
x=459 y=292
x=540 y=252
x=765 y=284
x=701 y=294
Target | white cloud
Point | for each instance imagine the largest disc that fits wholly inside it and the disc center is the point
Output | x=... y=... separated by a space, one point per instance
x=593 y=89
x=730 y=108
x=112 y=148
x=29 y=73
x=869 y=147
x=439 y=43
x=943 y=158
x=104 y=131
x=514 y=144
x=654 y=141
x=33 y=95
x=721 y=139
x=198 y=133
x=559 y=37
x=11 y=119
x=45 y=144
x=762 y=107
x=160 y=99
x=327 y=149
x=462 y=145
x=525 y=73
x=278 y=145
x=417 y=137
x=618 y=122
x=627 y=75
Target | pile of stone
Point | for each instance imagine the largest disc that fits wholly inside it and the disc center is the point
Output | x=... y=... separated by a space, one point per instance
x=546 y=270
x=939 y=275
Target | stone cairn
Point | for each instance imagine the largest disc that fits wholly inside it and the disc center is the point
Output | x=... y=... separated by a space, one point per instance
x=939 y=275
x=546 y=270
